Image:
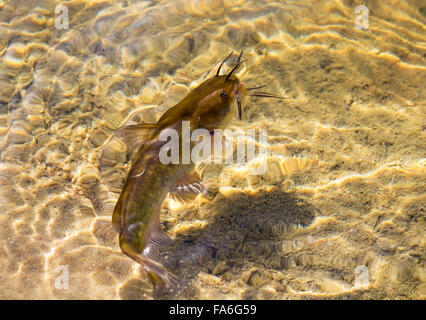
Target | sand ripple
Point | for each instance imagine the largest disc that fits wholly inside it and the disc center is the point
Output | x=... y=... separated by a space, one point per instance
x=340 y=209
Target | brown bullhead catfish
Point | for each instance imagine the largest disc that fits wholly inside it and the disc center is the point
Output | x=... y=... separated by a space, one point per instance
x=136 y=216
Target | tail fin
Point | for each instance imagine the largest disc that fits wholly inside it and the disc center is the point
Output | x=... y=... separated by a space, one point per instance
x=156 y=272
x=160 y=277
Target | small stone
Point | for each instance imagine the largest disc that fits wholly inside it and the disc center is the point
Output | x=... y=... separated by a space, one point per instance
x=385 y=246
x=407 y=269
x=253 y=277
x=220 y=268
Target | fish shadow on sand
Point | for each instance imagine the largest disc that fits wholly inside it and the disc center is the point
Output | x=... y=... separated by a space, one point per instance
x=243 y=227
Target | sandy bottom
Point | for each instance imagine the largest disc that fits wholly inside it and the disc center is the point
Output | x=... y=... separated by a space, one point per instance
x=340 y=211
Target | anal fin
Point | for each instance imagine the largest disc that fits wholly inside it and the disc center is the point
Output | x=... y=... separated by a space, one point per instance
x=187 y=187
x=158 y=238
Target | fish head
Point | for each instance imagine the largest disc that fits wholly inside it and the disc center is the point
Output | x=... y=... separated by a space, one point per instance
x=214 y=102
x=220 y=95
x=233 y=91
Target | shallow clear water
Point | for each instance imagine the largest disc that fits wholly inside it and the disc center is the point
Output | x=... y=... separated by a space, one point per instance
x=340 y=211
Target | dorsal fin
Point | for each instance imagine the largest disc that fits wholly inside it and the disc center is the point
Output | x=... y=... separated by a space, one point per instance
x=135 y=135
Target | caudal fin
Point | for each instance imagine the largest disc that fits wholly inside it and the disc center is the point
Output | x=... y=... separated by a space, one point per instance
x=156 y=272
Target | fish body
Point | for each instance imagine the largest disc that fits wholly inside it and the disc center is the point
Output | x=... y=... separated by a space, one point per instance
x=136 y=216
x=137 y=213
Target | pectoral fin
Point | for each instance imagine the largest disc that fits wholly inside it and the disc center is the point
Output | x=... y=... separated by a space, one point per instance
x=135 y=135
x=116 y=214
x=188 y=187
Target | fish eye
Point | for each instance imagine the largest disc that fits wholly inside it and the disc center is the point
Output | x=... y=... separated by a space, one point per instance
x=223 y=94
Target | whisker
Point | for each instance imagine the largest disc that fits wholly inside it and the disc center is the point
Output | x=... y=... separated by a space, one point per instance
x=227 y=77
x=237 y=95
x=261 y=92
x=254 y=88
x=239 y=57
x=265 y=95
x=218 y=70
